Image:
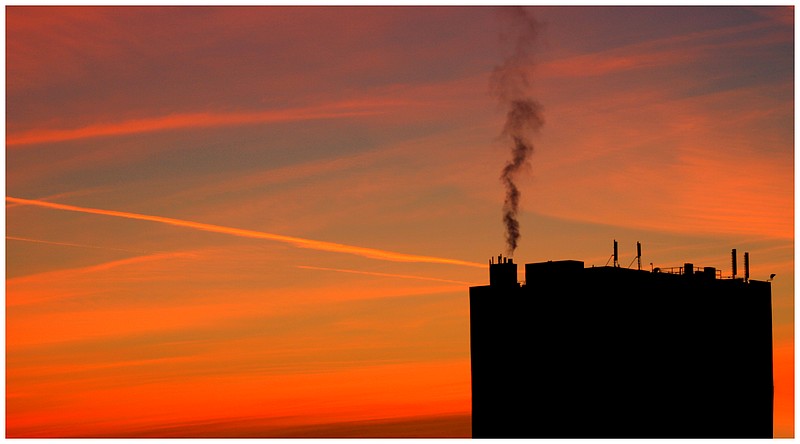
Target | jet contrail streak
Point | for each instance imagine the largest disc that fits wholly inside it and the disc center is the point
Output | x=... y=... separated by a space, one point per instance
x=67 y=244
x=371 y=253
x=373 y=273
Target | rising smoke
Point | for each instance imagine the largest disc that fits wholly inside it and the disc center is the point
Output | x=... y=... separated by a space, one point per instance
x=510 y=84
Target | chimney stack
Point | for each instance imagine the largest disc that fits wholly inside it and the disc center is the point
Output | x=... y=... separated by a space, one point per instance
x=503 y=273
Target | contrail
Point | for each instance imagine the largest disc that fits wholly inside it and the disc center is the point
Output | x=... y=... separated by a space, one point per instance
x=67 y=244
x=373 y=273
x=371 y=253
x=510 y=84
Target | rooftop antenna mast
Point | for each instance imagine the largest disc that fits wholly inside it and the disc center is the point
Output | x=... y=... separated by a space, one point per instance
x=639 y=254
x=746 y=266
x=638 y=257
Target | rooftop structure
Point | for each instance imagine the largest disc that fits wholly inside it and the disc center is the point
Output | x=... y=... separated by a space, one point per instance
x=611 y=352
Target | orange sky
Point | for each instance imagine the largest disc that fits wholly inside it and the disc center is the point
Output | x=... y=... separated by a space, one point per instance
x=238 y=222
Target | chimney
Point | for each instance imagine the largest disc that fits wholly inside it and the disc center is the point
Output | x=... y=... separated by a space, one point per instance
x=503 y=273
x=733 y=263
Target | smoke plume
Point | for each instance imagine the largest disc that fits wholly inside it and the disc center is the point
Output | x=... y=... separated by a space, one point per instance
x=510 y=84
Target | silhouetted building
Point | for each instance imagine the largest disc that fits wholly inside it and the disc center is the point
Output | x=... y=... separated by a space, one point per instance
x=610 y=352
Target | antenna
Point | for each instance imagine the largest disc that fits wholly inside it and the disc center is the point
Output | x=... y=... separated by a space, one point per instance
x=639 y=254
x=616 y=254
x=733 y=263
x=746 y=266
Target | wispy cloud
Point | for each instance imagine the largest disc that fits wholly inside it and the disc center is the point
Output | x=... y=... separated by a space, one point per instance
x=29 y=289
x=391 y=275
x=670 y=51
x=185 y=121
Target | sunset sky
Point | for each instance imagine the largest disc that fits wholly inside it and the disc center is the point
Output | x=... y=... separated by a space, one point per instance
x=264 y=221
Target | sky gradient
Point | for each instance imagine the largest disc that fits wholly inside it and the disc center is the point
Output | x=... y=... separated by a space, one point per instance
x=264 y=221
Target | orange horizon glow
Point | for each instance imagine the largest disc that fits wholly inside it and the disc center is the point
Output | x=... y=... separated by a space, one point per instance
x=323 y=395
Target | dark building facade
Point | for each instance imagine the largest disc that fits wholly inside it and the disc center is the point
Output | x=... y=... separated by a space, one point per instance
x=610 y=352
